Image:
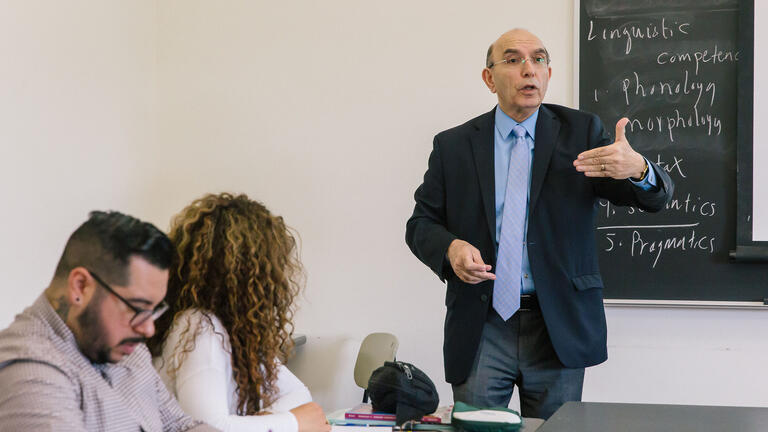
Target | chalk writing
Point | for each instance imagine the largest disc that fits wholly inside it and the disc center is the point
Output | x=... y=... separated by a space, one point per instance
x=704 y=56
x=673 y=168
x=671 y=68
x=688 y=241
x=683 y=203
x=650 y=30
x=668 y=123
x=634 y=86
x=642 y=243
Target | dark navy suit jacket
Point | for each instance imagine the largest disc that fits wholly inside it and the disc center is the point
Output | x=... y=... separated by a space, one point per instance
x=456 y=200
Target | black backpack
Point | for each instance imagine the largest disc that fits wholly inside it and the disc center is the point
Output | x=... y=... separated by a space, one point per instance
x=402 y=388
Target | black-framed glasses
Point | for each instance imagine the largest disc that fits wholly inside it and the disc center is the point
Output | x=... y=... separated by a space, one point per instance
x=140 y=315
x=540 y=60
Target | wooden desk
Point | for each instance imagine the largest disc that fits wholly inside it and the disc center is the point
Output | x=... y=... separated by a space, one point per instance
x=619 y=417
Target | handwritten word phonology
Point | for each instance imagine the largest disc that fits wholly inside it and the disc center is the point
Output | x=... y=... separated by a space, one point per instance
x=684 y=86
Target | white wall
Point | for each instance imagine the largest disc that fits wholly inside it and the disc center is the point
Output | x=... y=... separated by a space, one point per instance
x=77 y=127
x=325 y=111
x=759 y=148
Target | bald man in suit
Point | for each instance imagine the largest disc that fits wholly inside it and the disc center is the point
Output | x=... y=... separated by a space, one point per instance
x=524 y=293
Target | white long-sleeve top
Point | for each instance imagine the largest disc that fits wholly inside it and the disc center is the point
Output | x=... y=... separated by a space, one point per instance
x=205 y=387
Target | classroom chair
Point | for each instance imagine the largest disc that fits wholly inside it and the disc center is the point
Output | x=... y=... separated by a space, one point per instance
x=375 y=349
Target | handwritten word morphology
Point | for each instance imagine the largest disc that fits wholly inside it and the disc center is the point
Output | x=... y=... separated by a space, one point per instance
x=668 y=123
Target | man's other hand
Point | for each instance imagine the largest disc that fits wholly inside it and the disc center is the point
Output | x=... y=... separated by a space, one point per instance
x=467 y=262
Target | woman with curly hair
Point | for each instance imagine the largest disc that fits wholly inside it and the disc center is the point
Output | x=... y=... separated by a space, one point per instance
x=232 y=283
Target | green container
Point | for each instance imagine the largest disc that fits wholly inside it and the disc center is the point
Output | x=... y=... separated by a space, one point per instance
x=474 y=419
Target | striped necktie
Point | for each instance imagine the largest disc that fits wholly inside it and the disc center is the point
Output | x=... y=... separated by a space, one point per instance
x=506 y=288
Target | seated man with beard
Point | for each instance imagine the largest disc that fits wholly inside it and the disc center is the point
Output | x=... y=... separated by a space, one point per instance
x=75 y=360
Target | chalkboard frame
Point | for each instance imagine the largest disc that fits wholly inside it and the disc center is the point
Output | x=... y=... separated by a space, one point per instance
x=747 y=249
x=744 y=252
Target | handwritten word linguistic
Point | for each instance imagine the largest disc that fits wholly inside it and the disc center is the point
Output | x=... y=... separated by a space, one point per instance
x=651 y=30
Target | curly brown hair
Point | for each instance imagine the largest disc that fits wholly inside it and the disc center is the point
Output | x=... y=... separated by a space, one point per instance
x=237 y=261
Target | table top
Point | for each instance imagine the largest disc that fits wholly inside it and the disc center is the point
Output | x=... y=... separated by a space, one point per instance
x=529 y=425
x=608 y=417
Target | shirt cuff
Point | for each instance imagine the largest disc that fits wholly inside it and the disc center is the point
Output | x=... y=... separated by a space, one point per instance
x=649 y=182
x=289 y=421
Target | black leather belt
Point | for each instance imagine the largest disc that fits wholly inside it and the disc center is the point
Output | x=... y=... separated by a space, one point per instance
x=529 y=302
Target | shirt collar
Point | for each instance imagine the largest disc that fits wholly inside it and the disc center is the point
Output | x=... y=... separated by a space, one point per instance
x=44 y=308
x=505 y=123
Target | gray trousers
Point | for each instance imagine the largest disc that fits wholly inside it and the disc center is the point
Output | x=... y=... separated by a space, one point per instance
x=519 y=353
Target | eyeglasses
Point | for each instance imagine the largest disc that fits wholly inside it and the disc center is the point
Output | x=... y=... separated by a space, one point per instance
x=538 y=60
x=140 y=315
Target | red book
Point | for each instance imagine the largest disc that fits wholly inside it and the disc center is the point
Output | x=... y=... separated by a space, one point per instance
x=365 y=412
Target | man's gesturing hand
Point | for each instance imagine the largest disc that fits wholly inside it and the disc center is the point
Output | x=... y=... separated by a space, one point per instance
x=467 y=262
x=616 y=160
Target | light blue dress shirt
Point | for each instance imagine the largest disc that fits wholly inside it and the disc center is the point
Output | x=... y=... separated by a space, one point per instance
x=502 y=148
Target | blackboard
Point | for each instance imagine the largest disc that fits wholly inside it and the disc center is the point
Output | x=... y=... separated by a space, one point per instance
x=671 y=67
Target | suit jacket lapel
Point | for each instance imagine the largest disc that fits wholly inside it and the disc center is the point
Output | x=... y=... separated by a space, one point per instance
x=482 y=148
x=547 y=130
